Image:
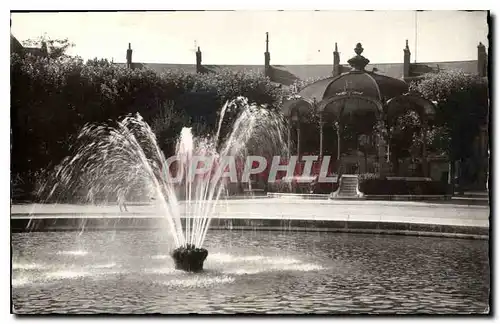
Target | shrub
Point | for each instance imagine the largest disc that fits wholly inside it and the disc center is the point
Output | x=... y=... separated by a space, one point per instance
x=51 y=100
x=462 y=107
x=367 y=176
x=402 y=187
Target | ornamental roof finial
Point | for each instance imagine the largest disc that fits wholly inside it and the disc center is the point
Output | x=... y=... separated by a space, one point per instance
x=358 y=62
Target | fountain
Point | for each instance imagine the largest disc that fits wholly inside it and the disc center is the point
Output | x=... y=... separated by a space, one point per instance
x=116 y=162
x=285 y=271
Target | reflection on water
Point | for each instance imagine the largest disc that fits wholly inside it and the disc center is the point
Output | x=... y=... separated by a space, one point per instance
x=75 y=253
x=26 y=266
x=66 y=274
x=198 y=281
x=254 y=272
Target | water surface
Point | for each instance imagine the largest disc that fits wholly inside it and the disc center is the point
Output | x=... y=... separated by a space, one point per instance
x=249 y=272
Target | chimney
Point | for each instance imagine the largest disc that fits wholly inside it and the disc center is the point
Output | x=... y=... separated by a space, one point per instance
x=482 y=60
x=336 y=61
x=129 y=57
x=406 y=61
x=198 y=60
x=267 y=58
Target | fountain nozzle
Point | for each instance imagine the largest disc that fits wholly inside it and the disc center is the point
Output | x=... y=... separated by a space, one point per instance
x=189 y=258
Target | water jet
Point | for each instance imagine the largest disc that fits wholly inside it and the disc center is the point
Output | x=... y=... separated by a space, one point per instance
x=116 y=161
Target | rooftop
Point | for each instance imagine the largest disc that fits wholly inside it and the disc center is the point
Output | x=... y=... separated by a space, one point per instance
x=288 y=74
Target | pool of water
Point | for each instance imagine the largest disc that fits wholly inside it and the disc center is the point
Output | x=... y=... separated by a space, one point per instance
x=249 y=272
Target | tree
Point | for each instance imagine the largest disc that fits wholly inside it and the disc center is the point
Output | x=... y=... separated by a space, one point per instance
x=405 y=137
x=55 y=48
x=462 y=108
x=52 y=99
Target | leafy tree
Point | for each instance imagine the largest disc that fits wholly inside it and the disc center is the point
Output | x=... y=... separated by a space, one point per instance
x=167 y=125
x=51 y=100
x=405 y=138
x=56 y=48
x=462 y=108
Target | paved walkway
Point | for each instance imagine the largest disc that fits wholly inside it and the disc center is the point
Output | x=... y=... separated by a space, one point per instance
x=289 y=208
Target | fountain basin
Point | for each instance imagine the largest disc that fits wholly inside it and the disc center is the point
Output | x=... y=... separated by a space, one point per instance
x=189 y=258
x=259 y=272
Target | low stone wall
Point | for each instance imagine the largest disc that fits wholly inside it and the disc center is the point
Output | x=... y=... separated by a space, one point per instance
x=76 y=223
x=297 y=196
x=408 y=197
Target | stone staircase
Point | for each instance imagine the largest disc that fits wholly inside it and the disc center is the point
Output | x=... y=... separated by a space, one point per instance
x=348 y=187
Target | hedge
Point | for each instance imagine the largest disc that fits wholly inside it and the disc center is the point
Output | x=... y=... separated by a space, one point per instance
x=51 y=100
x=402 y=187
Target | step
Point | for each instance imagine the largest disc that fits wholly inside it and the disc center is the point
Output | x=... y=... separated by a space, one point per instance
x=348 y=186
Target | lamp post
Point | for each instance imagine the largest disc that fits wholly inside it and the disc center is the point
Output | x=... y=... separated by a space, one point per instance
x=296 y=123
x=337 y=128
x=425 y=167
x=321 y=123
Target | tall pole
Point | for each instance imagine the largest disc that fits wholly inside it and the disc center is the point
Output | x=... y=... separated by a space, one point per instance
x=416 y=34
x=267 y=42
x=337 y=127
x=298 y=139
x=320 y=138
x=425 y=166
x=289 y=138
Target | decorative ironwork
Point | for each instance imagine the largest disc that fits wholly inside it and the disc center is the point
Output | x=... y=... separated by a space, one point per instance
x=359 y=49
x=358 y=62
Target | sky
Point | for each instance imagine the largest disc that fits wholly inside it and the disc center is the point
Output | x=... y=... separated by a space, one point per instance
x=238 y=37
